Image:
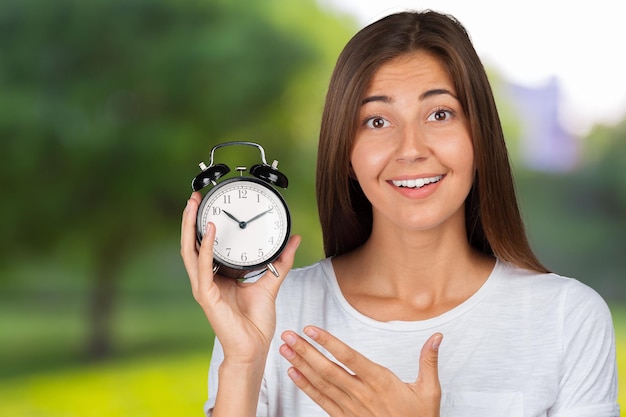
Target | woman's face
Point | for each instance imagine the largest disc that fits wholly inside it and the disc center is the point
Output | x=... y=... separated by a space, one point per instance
x=412 y=153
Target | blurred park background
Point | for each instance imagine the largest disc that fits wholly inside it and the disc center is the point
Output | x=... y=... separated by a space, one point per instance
x=107 y=107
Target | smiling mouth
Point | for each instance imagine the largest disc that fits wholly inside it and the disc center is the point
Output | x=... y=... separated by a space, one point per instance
x=417 y=182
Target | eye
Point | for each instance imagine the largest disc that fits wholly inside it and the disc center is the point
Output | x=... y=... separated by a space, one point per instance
x=440 y=115
x=376 y=122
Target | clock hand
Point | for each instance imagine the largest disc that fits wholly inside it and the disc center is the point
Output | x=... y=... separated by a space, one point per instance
x=259 y=215
x=242 y=225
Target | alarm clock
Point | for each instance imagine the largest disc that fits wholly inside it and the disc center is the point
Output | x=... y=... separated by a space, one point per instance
x=252 y=219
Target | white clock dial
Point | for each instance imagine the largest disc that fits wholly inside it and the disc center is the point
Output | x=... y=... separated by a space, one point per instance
x=251 y=219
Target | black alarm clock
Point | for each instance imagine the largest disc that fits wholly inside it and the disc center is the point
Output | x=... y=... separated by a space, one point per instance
x=252 y=219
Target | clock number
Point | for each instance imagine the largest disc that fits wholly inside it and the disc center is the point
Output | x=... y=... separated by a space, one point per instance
x=260 y=254
x=216 y=211
x=216 y=242
x=258 y=198
x=271 y=209
x=228 y=251
x=271 y=240
x=276 y=225
x=243 y=194
x=226 y=199
x=244 y=256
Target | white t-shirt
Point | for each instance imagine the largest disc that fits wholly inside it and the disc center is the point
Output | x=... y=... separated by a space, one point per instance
x=524 y=345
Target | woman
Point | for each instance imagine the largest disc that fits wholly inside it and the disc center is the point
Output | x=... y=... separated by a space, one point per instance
x=423 y=239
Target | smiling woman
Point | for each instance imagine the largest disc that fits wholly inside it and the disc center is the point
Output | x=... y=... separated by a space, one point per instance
x=425 y=247
x=459 y=80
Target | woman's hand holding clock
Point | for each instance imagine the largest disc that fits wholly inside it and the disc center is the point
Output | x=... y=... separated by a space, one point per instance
x=242 y=315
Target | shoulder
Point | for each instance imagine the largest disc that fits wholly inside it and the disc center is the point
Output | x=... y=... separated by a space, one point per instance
x=313 y=272
x=309 y=280
x=569 y=296
x=578 y=321
x=551 y=283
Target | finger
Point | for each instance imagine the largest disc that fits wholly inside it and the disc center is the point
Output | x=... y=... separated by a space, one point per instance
x=187 y=213
x=336 y=380
x=349 y=357
x=312 y=372
x=324 y=401
x=197 y=197
x=188 y=237
x=428 y=375
x=189 y=218
x=205 y=259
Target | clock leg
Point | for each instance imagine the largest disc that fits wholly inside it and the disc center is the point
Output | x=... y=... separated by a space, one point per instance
x=274 y=271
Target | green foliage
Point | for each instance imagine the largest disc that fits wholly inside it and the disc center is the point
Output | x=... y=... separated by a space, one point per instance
x=108 y=106
x=105 y=101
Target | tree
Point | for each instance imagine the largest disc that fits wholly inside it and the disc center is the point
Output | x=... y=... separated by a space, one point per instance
x=103 y=101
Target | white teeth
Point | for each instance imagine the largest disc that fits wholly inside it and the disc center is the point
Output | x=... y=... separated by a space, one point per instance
x=417 y=182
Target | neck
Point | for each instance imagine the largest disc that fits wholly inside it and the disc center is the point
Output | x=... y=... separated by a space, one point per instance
x=419 y=258
x=420 y=273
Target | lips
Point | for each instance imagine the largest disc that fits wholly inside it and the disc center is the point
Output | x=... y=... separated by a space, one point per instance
x=417 y=182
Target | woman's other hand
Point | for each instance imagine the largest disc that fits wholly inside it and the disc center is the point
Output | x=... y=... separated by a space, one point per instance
x=369 y=390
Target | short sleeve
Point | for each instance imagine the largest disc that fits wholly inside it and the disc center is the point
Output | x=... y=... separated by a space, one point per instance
x=217 y=357
x=588 y=377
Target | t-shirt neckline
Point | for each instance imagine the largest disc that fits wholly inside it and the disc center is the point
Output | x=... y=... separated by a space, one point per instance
x=400 y=325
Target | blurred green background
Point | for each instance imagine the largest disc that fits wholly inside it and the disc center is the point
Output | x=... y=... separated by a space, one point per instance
x=106 y=108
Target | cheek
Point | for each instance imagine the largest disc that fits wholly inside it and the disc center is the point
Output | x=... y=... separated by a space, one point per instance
x=469 y=155
x=459 y=152
x=366 y=161
x=466 y=158
x=465 y=163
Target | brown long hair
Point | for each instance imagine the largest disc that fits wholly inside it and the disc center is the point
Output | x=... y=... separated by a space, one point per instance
x=493 y=222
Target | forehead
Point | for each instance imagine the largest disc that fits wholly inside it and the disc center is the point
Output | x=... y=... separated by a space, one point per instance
x=419 y=69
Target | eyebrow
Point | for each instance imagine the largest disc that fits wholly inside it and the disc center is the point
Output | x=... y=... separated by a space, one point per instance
x=384 y=99
x=436 y=92
x=423 y=96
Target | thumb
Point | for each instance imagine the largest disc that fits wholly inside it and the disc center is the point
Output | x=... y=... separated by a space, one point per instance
x=428 y=375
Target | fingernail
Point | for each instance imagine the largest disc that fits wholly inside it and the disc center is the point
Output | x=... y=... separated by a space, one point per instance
x=289 y=338
x=293 y=374
x=311 y=332
x=436 y=342
x=287 y=352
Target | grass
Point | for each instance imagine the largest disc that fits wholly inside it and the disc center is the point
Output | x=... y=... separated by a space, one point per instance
x=155 y=386
x=162 y=354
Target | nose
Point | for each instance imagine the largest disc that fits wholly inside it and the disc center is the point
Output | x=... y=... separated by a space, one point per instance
x=411 y=145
